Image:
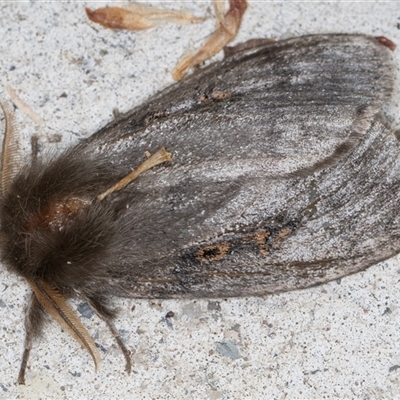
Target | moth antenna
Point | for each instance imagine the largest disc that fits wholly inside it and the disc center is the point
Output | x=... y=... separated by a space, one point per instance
x=160 y=157
x=55 y=304
x=11 y=160
x=107 y=316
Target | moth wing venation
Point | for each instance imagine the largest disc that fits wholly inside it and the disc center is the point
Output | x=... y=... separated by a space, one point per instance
x=285 y=107
x=341 y=221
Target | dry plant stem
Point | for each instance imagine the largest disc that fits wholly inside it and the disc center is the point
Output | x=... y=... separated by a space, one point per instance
x=23 y=106
x=138 y=17
x=161 y=156
x=227 y=27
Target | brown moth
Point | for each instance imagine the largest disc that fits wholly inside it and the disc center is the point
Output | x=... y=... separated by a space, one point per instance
x=284 y=175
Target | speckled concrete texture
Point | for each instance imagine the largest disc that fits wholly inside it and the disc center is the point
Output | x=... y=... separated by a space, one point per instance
x=339 y=340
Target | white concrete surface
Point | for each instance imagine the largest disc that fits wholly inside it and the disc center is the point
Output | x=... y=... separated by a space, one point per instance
x=333 y=341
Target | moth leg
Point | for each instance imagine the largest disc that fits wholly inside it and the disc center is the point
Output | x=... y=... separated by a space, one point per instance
x=136 y=16
x=34 y=322
x=34 y=147
x=160 y=157
x=107 y=316
x=228 y=25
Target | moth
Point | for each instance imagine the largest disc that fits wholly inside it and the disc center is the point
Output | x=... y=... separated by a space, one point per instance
x=272 y=170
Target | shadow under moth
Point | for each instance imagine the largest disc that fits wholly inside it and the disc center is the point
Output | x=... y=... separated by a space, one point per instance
x=283 y=176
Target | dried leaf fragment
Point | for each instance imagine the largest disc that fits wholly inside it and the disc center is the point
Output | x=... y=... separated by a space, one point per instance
x=138 y=17
x=387 y=42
